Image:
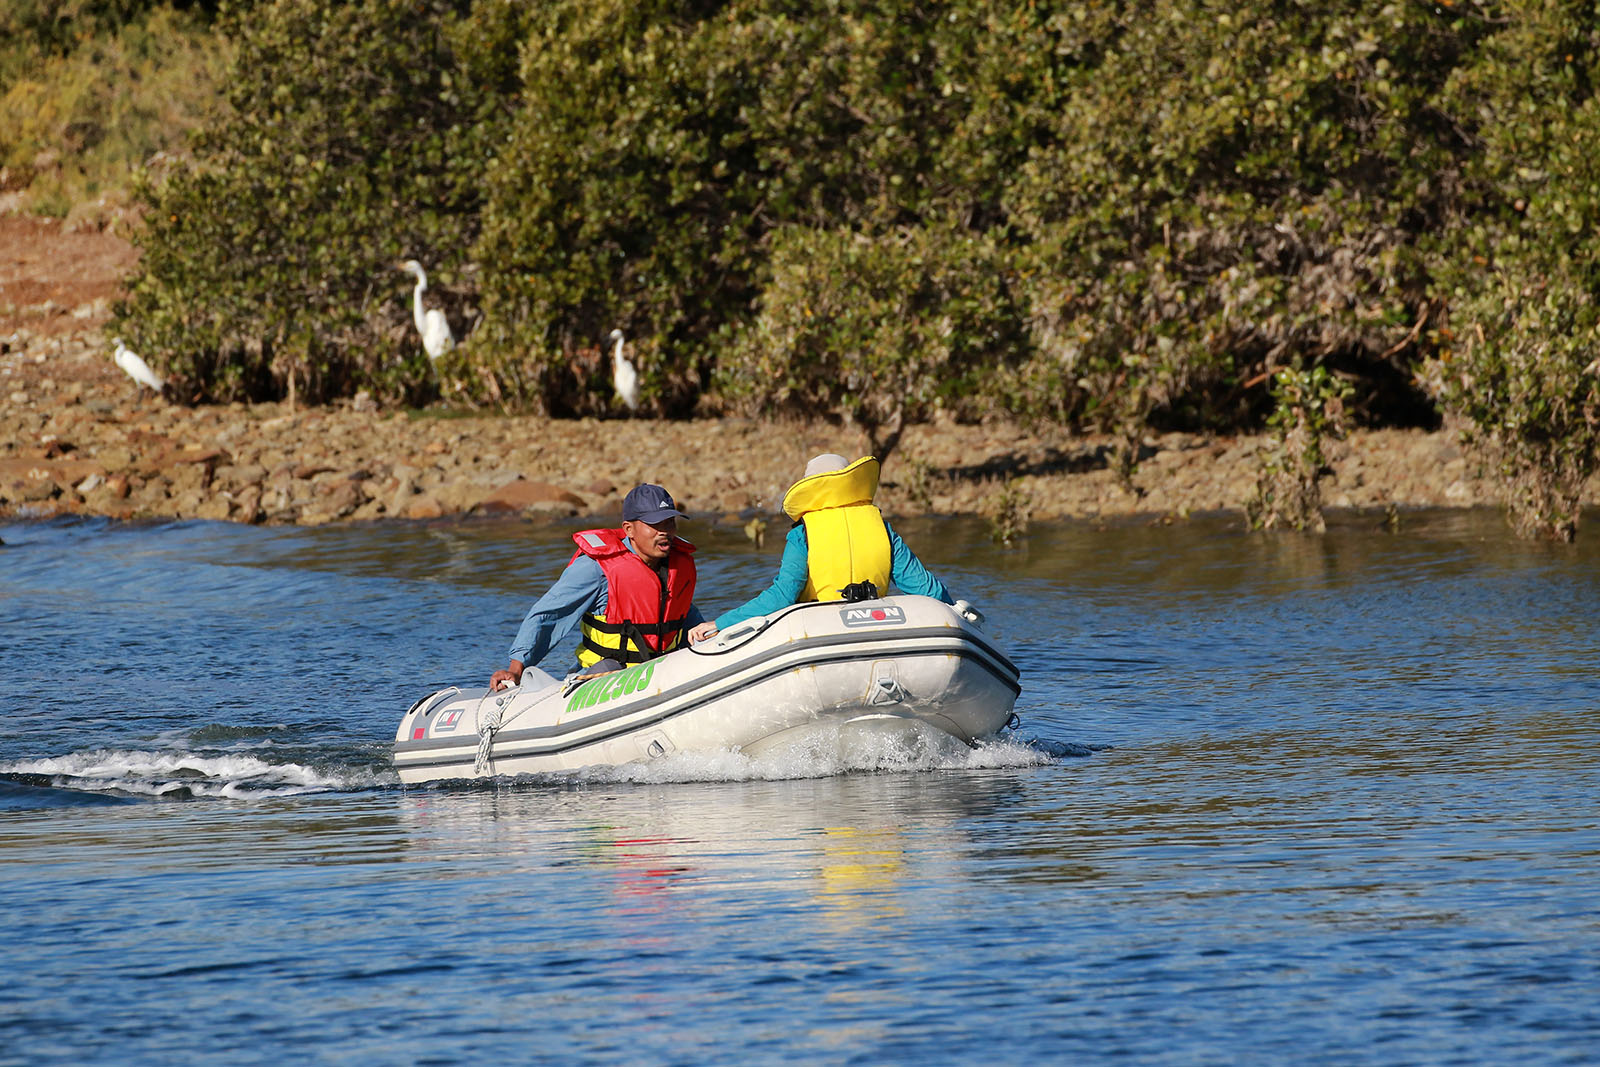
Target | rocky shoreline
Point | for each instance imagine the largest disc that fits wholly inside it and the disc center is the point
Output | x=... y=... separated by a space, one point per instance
x=77 y=437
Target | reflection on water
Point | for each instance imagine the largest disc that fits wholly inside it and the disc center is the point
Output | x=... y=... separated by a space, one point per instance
x=834 y=856
x=860 y=870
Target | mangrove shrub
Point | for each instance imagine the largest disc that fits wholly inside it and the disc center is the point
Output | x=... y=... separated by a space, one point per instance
x=1520 y=355
x=661 y=145
x=351 y=139
x=885 y=330
x=1115 y=217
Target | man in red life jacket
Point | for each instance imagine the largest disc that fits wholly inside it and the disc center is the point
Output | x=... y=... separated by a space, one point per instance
x=630 y=591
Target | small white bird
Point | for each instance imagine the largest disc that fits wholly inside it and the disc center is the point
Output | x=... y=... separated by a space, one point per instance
x=136 y=368
x=623 y=375
x=431 y=324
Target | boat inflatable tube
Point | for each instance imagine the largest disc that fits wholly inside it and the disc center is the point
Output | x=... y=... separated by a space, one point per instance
x=907 y=662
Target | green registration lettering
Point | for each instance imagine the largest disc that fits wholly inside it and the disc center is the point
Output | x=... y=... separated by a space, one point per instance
x=609 y=687
x=641 y=676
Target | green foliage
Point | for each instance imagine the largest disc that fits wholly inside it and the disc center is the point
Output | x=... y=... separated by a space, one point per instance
x=1218 y=191
x=659 y=147
x=89 y=91
x=1529 y=384
x=35 y=28
x=1153 y=256
x=1308 y=409
x=609 y=206
x=885 y=330
x=1007 y=510
x=1521 y=278
x=351 y=140
x=1182 y=198
x=1115 y=217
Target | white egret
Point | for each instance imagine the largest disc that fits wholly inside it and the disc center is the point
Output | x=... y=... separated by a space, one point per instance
x=431 y=324
x=136 y=368
x=623 y=375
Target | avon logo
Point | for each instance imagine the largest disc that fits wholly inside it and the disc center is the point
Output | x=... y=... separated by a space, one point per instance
x=890 y=616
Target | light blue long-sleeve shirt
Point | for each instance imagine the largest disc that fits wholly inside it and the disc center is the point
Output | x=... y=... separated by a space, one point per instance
x=905 y=571
x=579 y=590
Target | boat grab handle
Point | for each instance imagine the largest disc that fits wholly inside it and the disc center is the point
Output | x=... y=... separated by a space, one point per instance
x=426 y=704
x=729 y=639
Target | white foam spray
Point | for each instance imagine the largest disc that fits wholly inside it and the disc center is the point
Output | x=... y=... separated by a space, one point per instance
x=175 y=774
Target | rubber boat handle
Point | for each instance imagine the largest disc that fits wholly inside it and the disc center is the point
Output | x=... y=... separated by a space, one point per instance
x=738 y=634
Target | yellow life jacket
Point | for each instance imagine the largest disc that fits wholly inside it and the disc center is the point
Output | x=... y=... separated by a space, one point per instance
x=846 y=539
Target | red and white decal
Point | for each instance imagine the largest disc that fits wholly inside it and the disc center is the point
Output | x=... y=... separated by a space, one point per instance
x=869 y=616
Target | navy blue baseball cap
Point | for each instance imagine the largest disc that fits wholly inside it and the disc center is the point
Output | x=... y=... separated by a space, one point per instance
x=649 y=503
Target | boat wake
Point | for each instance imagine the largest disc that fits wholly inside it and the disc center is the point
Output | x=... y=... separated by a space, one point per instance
x=822 y=754
x=180 y=775
x=119 y=775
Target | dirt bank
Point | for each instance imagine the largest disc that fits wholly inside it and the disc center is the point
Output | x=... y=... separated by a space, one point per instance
x=76 y=437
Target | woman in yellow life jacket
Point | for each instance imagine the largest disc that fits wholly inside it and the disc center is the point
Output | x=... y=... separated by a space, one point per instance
x=839 y=542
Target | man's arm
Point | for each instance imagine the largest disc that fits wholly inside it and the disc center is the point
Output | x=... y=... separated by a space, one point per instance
x=580 y=588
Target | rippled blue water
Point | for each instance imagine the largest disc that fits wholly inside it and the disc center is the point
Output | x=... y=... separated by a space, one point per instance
x=1274 y=799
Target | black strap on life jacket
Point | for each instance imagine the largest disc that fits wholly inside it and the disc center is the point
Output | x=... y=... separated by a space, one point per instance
x=858 y=591
x=635 y=649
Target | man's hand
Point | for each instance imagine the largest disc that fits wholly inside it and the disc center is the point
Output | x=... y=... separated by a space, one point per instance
x=704 y=632
x=507 y=678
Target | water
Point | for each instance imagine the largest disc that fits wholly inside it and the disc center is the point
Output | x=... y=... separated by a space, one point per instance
x=1274 y=799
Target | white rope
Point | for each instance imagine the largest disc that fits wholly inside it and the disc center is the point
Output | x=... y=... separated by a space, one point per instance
x=486 y=731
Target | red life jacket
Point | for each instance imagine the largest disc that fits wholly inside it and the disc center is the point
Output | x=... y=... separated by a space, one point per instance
x=644 y=616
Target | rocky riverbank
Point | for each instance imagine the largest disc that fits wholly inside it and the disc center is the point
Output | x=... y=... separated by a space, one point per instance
x=77 y=437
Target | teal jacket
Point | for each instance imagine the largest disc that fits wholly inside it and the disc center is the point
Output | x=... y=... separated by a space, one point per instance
x=905 y=571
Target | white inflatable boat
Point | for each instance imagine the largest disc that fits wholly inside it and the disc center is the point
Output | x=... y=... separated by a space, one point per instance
x=899 y=664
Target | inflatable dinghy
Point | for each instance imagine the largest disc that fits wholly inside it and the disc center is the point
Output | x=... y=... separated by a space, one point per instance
x=900 y=664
